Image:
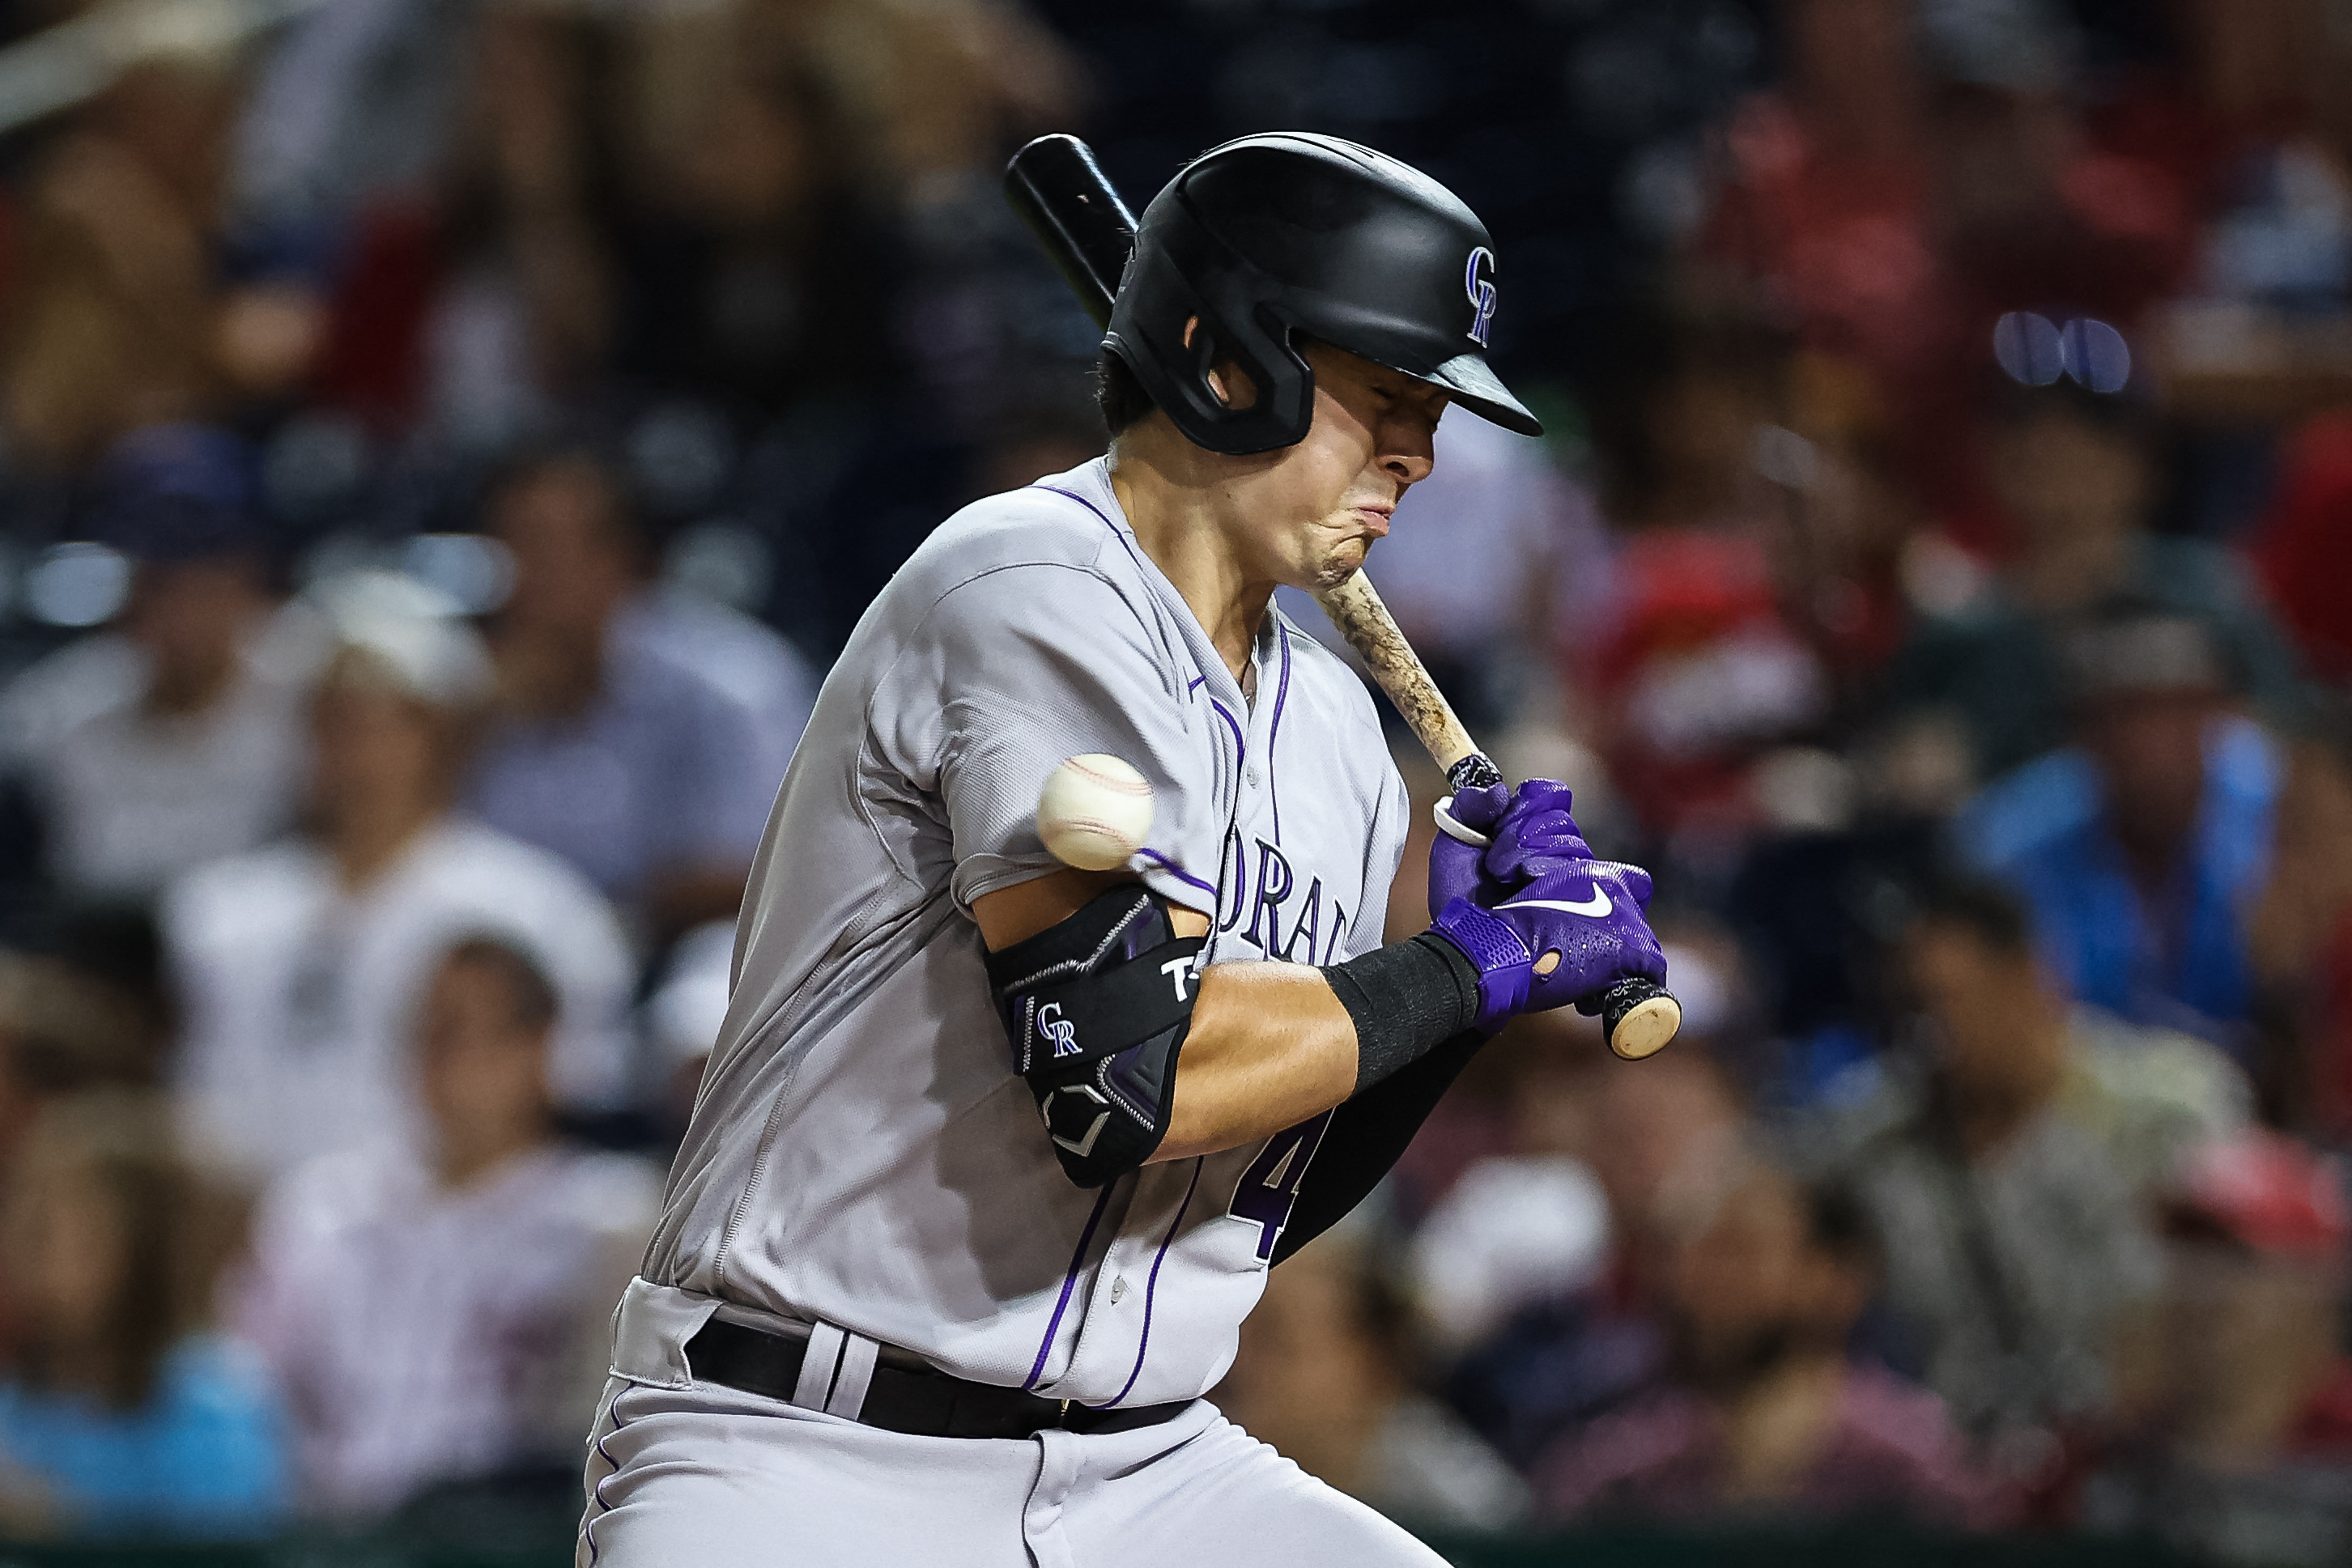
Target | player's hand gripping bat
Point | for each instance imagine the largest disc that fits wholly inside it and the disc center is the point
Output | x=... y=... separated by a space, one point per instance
x=1088 y=233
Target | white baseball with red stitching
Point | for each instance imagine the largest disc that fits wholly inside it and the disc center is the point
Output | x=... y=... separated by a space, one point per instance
x=1094 y=812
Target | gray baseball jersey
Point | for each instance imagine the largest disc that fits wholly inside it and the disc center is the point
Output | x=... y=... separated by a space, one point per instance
x=862 y=1153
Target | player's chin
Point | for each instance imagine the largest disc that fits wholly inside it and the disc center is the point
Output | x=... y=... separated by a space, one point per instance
x=1341 y=563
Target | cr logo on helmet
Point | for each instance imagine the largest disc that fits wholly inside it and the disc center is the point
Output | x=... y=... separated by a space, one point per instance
x=1481 y=290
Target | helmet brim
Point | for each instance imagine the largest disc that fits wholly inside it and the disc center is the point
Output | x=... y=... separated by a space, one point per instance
x=1476 y=387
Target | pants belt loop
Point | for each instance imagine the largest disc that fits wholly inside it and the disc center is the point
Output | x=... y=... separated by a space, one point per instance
x=849 y=1385
x=817 y=1367
x=835 y=1371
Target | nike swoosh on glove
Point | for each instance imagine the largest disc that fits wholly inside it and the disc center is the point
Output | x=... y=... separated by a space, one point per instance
x=1589 y=912
x=1529 y=831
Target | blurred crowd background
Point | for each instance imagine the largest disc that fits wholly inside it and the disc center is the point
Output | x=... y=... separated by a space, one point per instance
x=443 y=442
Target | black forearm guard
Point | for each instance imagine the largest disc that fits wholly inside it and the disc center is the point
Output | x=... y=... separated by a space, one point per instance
x=1096 y=1009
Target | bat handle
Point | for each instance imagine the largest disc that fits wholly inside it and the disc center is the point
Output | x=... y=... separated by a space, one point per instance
x=1638 y=1016
x=1475 y=772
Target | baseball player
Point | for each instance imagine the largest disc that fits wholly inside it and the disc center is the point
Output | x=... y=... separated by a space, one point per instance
x=993 y=1154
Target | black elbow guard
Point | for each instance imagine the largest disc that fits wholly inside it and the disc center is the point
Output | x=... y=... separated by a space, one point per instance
x=1096 y=1009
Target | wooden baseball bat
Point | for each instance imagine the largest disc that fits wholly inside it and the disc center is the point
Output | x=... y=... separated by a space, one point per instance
x=1088 y=233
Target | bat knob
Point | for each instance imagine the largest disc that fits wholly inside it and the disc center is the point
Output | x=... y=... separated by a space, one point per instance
x=1638 y=1016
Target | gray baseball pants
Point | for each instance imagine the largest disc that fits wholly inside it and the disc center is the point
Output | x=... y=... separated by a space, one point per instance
x=687 y=1472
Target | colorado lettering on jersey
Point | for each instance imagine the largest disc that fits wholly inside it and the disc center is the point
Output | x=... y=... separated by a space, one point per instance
x=1260 y=903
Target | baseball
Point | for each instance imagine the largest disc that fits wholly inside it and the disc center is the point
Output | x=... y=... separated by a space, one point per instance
x=1094 y=812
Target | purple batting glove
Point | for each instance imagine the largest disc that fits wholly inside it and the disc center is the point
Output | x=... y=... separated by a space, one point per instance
x=1457 y=867
x=1536 y=836
x=1492 y=840
x=1588 y=913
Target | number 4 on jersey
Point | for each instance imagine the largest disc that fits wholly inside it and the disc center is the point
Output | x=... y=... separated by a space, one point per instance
x=1270 y=1186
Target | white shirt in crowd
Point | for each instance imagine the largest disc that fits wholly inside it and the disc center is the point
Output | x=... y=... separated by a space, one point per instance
x=422 y=1335
x=131 y=799
x=1514 y=1231
x=301 y=998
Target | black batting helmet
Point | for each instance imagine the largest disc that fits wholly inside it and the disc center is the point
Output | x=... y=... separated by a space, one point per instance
x=1288 y=233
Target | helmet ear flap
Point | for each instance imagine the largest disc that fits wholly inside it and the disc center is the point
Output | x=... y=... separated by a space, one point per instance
x=1176 y=374
x=1282 y=386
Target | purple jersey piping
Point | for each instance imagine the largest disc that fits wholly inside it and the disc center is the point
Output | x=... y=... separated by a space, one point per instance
x=1151 y=1285
x=1178 y=872
x=1281 y=692
x=1069 y=1282
x=1241 y=748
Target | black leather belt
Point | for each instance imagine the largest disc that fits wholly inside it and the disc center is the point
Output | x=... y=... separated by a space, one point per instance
x=905 y=1394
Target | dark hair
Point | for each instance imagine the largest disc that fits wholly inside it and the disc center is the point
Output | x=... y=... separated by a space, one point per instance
x=1121 y=397
x=529 y=990
x=1985 y=910
x=528 y=464
x=121 y=1144
x=1838 y=1223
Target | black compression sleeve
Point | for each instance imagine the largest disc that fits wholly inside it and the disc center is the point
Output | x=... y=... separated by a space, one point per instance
x=1405 y=998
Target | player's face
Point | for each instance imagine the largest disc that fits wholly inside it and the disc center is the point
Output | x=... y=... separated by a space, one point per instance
x=1316 y=510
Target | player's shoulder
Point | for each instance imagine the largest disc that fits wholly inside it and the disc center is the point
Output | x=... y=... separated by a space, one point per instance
x=1069 y=521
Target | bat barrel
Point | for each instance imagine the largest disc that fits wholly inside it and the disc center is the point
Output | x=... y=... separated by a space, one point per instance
x=1061 y=192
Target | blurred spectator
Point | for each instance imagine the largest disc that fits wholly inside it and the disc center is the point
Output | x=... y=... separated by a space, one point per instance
x=2077 y=477
x=1519 y=1228
x=633 y=763
x=1563 y=1358
x=2299 y=940
x=2244 y=1385
x=1764 y=1416
x=1323 y=1374
x=2302 y=550
x=1693 y=670
x=2142 y=847
x=114 y=315
x=749 y=216
x=682 y=1016
x=175 y=738
x=2004 y=1168
x=301 y=965
x=1920 y=172
x=63 y=1032
x=118 y=1415
x=436 y=1314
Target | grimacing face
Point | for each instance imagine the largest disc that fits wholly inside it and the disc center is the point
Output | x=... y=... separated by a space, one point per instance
x=1314 y=509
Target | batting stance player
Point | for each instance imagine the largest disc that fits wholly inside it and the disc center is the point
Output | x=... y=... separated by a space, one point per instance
x=993 y=1154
